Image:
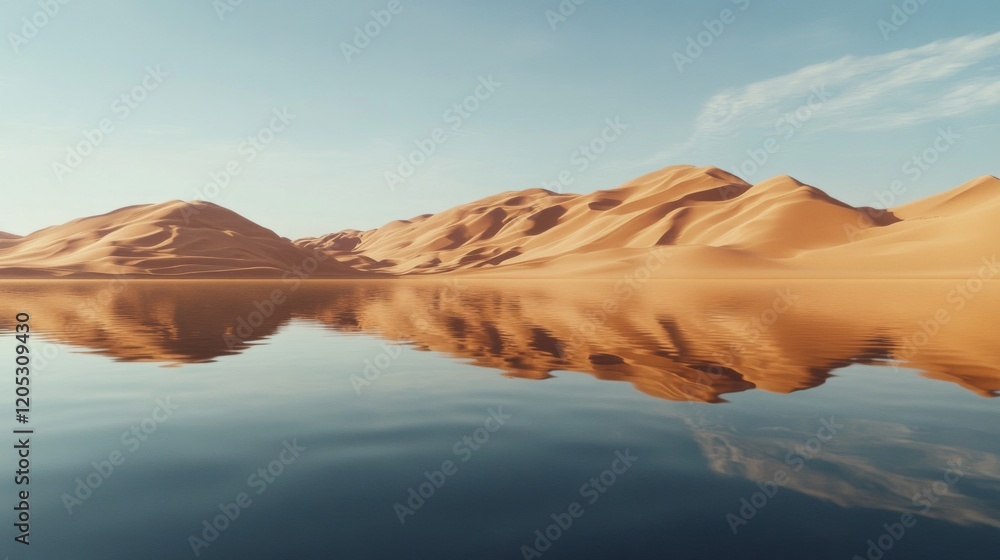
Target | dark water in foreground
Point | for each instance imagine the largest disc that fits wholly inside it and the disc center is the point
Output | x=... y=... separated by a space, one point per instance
x=477 y=421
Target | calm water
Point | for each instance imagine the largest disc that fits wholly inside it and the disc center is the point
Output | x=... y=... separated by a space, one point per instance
x=659 y=420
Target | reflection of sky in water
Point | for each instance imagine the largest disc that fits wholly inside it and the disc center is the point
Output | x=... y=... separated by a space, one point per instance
x=697 y=461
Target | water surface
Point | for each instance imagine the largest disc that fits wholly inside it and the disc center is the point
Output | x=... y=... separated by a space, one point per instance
x=777 y=419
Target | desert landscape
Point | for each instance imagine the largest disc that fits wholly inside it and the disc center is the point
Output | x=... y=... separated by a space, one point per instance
x=558 y=280
x=697 y=222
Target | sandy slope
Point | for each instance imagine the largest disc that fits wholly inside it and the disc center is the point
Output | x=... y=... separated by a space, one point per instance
x=7 y=239
x=679 y=222
x=173 y=239
x=694 y=222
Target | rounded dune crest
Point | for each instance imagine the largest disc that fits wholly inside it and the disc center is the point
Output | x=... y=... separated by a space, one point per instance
x=172 y=239
x=696 y=221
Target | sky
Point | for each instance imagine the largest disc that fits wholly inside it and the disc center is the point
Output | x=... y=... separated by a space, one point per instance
x=310 y=117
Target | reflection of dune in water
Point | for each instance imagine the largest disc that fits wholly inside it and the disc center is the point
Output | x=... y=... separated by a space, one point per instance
x=693 y=341
x=677 y=340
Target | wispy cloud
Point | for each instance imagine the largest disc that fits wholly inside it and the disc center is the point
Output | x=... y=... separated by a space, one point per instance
x=939 y=80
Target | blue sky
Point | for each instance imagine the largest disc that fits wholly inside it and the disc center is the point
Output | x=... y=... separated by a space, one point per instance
x=312 y=119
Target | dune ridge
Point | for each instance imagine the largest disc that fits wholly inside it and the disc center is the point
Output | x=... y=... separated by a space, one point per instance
x=695 y=222
x=702 y=221
x=174 y=239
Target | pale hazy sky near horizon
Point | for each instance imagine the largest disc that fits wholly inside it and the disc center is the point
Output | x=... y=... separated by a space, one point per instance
x=842 y=95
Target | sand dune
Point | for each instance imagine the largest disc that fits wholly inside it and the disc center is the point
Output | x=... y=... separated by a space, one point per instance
x=173 y=239
x=7 y=239
x=707 y=222
x=679 y=222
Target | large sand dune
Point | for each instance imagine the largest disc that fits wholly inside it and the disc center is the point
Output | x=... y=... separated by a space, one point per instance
x=697 y=222
x=679 y=222
x=173 y=239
